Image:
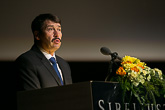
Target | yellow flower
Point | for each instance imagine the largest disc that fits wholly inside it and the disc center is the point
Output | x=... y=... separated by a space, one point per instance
x=128 y=66
x=128 y=59
x=135 y=69
x=141 y=64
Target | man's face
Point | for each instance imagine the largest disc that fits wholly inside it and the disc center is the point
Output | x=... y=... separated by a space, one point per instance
x=50 y=38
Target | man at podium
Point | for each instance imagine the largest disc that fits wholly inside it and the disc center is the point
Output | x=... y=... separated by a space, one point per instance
x=40 y=67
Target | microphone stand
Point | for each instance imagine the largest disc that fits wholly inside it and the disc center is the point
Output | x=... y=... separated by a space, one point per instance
x=112 y=61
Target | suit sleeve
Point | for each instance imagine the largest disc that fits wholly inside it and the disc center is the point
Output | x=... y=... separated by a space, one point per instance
x=26 y=74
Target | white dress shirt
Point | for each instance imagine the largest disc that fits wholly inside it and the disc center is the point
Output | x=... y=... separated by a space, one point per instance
x=48 y=56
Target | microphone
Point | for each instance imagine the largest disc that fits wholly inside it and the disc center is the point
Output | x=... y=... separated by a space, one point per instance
x=106 y=51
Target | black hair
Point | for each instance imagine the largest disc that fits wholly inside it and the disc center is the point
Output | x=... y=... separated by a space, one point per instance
x=38 y=22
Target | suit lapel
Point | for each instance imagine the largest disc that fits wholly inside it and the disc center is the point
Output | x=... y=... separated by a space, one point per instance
x=46 y=63
x=51 y=70
x=62 y=70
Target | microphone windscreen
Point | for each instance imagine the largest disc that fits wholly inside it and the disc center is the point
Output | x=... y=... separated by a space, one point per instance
x=105 y=51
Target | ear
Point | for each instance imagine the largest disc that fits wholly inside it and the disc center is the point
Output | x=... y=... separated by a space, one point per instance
x=36 y=35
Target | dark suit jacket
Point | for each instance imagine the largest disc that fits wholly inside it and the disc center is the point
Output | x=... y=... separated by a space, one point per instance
x=34 y=71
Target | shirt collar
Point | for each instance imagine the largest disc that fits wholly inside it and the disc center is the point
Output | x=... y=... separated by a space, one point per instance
x=47 y=55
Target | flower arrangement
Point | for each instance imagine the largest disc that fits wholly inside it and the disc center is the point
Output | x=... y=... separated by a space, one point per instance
x=142 y=81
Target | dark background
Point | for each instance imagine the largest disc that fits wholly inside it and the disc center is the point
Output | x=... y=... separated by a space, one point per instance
x=81 y=71
x=129 y=27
